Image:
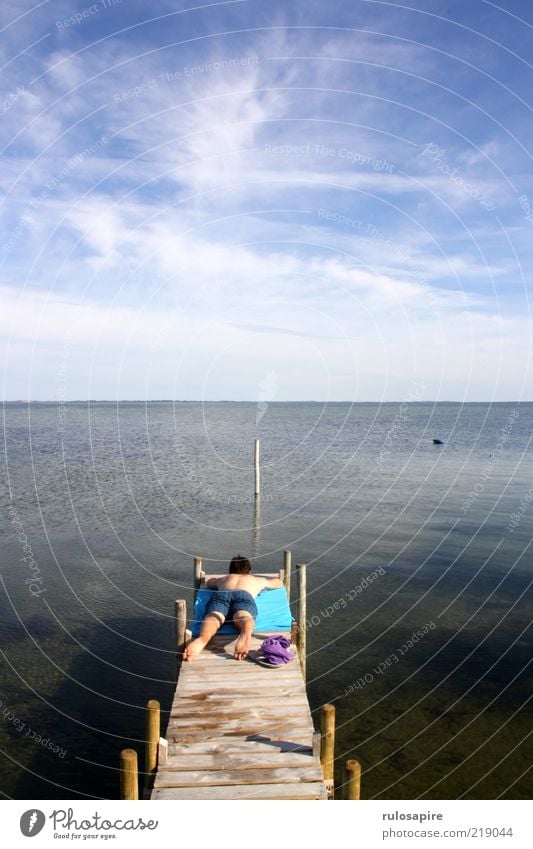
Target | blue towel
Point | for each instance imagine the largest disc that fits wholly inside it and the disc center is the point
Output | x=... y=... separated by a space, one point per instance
x=273 y=612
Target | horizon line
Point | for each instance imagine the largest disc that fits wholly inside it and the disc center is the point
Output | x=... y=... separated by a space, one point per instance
x=243 y=401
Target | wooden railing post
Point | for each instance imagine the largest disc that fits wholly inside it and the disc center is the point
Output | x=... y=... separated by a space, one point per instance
x=327 y=747
x=301 y=569
x=287 y=562
x=294 y=633
x=181 y=628
x=198 y=574
x=153 y=732
x=129 y=775
x=256 y=464
x=352 y=780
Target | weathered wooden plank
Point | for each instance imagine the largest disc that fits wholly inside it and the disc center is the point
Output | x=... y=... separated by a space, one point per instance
x=212 y=682
x=245 y=687
x=293 y=736
x=218 y=676
x=251 y=716
x=226 y=654
x=224 y=664
x=228 y=696
x=270 y=682
x=225 y=683
x=241 y=688
x=227 y=666
x=238 y=667
x=301 y=790
x=248 y=725
x=230 y=745
x=188 y=707
x=199 y=702
x=229 y=720
x=274 y=759
x=256 y=673
x=236 y=675
x=241 y=685
x=269 y=731
x=267 y=676
x=230 y=710
x=223 y=777
x=235 y=707
x=207 y=682
x=230 y=725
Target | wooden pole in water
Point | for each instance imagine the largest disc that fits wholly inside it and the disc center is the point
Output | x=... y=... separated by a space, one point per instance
x=153 y=732
x=181 y=627
x=129 y=775
x=327 y=747
x=301 y=569
x=287 y=562
x=352 y=780
x=256 y=463
x=197 y=575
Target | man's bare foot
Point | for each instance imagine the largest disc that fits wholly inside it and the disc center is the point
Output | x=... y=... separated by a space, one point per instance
x=242 y=646
x=193 y=649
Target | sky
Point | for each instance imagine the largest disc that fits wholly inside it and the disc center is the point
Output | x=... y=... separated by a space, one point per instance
x=266 y=201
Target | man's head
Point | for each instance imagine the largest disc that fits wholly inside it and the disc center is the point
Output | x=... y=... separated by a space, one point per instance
x=240 y=566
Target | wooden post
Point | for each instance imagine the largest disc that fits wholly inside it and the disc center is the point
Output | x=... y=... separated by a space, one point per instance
x=352 y=780
x=302 y=616
x=327 y=747
x=256 y=528
x=256 y=462
x=197 y=575
x=287 y=560
x=153 y=731
x=294 y=632
x=181 y=627
x=129 y=775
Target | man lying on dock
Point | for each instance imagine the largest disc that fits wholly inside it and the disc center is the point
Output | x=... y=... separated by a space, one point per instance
x=233 y=601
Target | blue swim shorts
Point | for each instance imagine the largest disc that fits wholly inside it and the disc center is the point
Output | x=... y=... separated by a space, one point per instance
x=228 y=602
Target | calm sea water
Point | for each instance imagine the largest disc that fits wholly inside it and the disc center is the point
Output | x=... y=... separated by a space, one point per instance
x=104 y=505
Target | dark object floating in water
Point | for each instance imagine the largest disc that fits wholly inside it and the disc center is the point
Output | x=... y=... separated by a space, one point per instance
x=438 y=442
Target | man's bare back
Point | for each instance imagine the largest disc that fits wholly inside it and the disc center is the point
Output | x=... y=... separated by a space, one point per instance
x=248 y=583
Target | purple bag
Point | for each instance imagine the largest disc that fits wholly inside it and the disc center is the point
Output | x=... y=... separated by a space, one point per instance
x=275 y=651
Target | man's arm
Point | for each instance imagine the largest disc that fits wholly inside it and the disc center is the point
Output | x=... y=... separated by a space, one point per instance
x=211 y=584
x=272 y=583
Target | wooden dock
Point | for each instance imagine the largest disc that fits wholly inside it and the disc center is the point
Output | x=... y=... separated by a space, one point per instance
x=238 y=730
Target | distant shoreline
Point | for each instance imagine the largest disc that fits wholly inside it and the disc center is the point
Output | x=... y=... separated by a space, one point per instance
x=255 y=402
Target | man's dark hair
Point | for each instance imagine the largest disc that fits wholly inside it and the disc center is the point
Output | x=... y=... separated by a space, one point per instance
x=240 y=566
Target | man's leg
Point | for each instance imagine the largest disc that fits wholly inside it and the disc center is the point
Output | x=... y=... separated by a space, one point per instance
x=210 y=626
x=245 y=623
